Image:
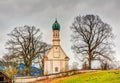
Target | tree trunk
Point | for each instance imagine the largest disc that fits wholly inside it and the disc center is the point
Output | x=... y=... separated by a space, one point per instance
x=89 y=67
x=89 y=60
x=28 y=70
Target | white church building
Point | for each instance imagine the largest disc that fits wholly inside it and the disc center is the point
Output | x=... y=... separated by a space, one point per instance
x=55 y=60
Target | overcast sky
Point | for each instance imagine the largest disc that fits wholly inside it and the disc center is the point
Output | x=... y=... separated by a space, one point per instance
x=42 y=14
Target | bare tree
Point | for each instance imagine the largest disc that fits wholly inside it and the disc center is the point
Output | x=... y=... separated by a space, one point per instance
x=10 y=64
x=40 y=59
x=107 y=64
x=26 y=44
x=92 y=38
x=75 y=66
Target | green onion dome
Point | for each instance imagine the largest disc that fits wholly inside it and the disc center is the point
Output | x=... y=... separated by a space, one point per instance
x=56 y=26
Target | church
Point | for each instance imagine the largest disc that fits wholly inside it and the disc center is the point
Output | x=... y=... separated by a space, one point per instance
x=55 y=60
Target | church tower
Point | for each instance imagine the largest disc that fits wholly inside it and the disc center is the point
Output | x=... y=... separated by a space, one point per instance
x=56 y=60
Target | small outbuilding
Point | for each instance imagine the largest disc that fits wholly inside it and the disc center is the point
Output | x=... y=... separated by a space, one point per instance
x=4 y=78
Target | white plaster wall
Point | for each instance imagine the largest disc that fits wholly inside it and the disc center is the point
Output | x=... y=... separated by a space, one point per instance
x=56 y=64
x=47 y=67
x=61 y=54
x=56 y=61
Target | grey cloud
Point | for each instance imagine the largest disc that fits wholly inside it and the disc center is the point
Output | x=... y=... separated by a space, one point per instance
x=43 y=12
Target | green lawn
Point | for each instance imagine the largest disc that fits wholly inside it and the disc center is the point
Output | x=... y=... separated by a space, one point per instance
x=110 y=76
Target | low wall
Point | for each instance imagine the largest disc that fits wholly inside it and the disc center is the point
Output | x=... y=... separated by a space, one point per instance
x=28 y=79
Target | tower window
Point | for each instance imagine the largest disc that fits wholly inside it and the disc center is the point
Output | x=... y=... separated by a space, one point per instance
x=56 y=69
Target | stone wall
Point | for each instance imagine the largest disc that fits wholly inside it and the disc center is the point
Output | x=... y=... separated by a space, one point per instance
x=36 y=78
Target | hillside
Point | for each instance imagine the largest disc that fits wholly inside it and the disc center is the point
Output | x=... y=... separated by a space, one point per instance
x=110 y=76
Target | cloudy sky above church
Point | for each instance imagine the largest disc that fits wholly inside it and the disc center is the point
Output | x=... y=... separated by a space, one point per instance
x=42 y=14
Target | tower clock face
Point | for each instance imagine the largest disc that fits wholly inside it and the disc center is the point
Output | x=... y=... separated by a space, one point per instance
x=56 y=51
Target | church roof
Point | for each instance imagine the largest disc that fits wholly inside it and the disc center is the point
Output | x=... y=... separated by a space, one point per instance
x=56 y=25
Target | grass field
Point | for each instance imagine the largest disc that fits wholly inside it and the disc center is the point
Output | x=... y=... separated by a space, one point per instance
x=110 y=76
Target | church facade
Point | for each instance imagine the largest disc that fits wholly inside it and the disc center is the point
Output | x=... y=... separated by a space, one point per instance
x=56 y=60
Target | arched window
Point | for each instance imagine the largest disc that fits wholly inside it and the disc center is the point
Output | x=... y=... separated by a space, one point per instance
x=56 y=69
